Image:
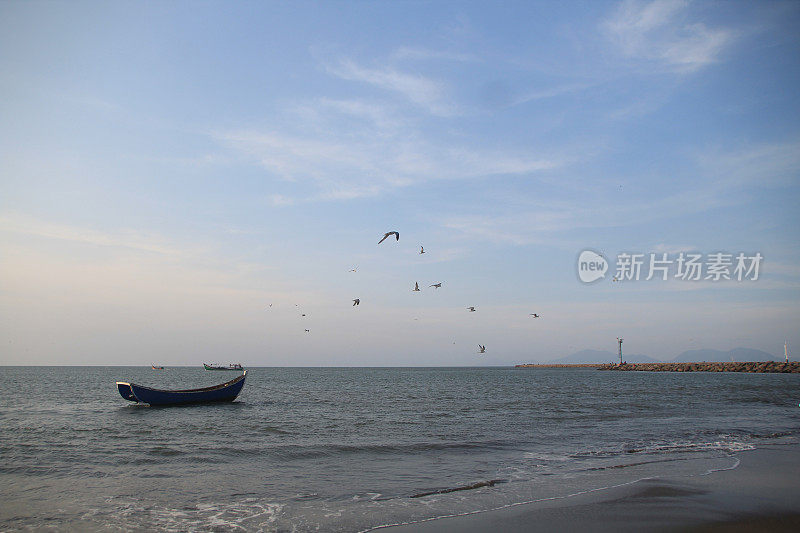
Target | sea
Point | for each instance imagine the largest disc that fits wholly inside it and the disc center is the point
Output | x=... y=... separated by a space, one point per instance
x=360 y=449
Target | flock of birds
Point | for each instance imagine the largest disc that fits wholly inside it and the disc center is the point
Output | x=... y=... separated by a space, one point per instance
x=357 y=301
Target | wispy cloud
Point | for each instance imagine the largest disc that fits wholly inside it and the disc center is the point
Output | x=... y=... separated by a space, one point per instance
x=73 y=247
x=552 y=222
x=425 y=92
x=131 y=239
x=658 y=32
x=761 y=164
x=724 y=179
x=551 y=92
x=383 y=153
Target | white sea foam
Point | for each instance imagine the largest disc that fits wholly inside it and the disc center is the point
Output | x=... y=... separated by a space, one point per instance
x=244 y=515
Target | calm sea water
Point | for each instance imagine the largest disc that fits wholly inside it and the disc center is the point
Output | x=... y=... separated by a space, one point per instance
x=347 y=449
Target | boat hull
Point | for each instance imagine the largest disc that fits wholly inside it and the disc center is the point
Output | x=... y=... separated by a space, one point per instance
x=125 y=391
x=226 y=392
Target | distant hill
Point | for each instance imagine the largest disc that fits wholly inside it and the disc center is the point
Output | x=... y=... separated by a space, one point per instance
x=600 y=356
x=585 y=356
x=718 y=356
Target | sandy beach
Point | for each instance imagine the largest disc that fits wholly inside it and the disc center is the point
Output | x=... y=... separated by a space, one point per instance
x=761 y=494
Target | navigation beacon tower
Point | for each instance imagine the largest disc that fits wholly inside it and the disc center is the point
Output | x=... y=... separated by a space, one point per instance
x=619 y=342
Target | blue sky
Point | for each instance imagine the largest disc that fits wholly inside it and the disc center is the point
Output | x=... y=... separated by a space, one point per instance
x=170 y=169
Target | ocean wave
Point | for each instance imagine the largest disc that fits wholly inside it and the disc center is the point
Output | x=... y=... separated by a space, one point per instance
x=294 y=451
x=165 y=451
x=730 y=446
x=776 y=434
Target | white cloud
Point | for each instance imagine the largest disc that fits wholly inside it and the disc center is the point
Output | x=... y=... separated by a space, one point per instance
x=755 y=165
x=129 y=239
x=425 y=92
x=723 y=179
x=541 y=223
x=371 y=159
x=552 y=92
x=655 y=31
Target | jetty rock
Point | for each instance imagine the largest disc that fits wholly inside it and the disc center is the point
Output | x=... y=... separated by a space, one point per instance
x=751 y=366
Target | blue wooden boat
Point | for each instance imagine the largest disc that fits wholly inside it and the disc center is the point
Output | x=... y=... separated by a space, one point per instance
x=226 y=392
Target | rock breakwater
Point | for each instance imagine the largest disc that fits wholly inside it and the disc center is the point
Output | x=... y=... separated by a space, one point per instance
x=559 y=365
x=753 y=366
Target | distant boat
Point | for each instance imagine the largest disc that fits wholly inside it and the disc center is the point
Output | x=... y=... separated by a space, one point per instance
x=226 y=392
x=157 y=367
x=232 y=366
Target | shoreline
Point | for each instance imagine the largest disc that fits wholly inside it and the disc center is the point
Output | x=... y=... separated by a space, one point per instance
x=758 y=493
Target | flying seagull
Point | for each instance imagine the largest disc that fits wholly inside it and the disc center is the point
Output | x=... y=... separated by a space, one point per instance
x=471 y=308
x=396 y=234
x=421 y=249
x=356 y=301
x=437 y=285
x=308 y=331
x=416 y=286
x=481 y=349
x=353 y=269
x=534 y=315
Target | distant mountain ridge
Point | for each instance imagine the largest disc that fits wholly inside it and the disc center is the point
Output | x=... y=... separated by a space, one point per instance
x=601 y=356
x=689 y=356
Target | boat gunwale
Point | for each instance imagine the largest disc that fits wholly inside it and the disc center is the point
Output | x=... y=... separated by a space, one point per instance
x=187 y=391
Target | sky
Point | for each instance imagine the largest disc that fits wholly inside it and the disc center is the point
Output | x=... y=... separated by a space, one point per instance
x=181 y=181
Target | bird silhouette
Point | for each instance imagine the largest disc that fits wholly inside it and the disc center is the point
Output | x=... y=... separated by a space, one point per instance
x=416 y=286
x=471 y=309
x=396 y=234
x=482 y=349
x=436 y=285
x=353 y=269
x=534 y=315
x=356 y=301
x=421 y=249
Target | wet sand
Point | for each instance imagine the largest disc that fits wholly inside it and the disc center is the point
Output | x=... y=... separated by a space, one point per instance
x=761 y=494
